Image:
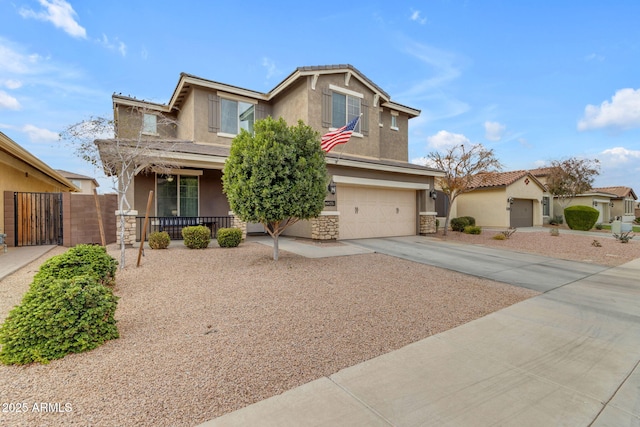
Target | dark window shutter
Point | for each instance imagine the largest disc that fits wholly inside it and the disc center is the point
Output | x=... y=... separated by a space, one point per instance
x=214 y=116
x=326 y=107
x=364 y=121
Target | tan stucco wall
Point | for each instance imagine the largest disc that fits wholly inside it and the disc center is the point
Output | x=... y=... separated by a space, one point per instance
x=294 y=104
x=186 y=120
x=129 y=123
x=19 y=176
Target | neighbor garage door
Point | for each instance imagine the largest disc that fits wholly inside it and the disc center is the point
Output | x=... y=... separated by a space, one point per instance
x=522 y=213
x=376 y=212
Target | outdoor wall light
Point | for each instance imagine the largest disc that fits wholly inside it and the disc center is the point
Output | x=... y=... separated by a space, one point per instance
x=332 y=187
x=169 y=178
x=433 y=194
x=595 y=203
x=510 y=200
x=610 y=204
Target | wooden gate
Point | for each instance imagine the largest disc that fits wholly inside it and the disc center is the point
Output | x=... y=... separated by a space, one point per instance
x=38 y=219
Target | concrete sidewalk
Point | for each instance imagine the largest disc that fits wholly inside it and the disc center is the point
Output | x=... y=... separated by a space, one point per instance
x=567 y=357
x=16 y=258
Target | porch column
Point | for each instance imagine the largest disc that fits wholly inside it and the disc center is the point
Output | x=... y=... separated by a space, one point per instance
x=238 y=223
x=129 y=227
x=427 y=223
x=325 y=226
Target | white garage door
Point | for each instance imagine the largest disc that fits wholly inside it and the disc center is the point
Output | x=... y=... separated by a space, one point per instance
x=376 y=212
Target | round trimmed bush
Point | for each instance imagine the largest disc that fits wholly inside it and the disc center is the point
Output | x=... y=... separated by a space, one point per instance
x=159 y=240
x=196 y=237
x=229 y=237
x=581 y=217
x=470 y=219
x=56 y=318
x=80 y=260
x=458 y=224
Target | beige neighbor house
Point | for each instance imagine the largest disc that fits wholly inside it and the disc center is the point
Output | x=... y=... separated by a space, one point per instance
x=86 y=184
x=22 y=173
x=507 y=199
x=621 y=204
x=374 y=190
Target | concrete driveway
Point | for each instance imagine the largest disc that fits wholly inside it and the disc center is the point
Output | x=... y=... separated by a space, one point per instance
x=568 y=357
x=526 y=270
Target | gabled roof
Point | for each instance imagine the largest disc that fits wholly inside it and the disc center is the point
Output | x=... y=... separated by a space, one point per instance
x=620 y=192
x=187 y=81
x=501 y=179
x=16 y=151
x=71 y=175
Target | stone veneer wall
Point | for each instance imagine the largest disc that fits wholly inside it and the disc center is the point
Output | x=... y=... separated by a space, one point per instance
x=129 y=227
x=325 y=227
x=427 y=222
x=238 y=223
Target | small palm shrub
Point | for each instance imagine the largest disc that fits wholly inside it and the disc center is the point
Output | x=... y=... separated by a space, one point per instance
x=598 y=226
x=509 y=232
x=229 y=237
x=56 y=318
x=196 y=237
x=458 y=224
x=80 y=260
x=472 y=229
x=581 y=217
x=159 y=240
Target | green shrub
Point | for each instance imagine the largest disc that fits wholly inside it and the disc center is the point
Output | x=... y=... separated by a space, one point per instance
x=196 y=237
x=499 y=236
x=470 y=219
x=472 y=229
x=229 y=237
x=599 y=226
x=80 y=260
x=581 y=217
x=637 y=220
x=159 y=240
x=458 y=224
x=437 y=224
x=59 y=317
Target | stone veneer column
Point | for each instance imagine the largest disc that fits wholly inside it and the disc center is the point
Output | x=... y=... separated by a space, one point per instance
x=325 y=226
x=238 y=223
x=129 y=227
x=427 y=222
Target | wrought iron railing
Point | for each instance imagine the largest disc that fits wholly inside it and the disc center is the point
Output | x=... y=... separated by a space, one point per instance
x=174 y=224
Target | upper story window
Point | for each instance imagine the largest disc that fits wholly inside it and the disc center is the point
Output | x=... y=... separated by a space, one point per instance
x=236 y=115
x=150 y=124
x=344 y=108
x=394 y=120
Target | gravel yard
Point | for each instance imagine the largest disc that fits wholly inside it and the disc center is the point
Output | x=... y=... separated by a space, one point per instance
x=206 y=332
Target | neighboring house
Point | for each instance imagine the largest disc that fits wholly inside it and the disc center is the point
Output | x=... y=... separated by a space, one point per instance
x=506 y=199
x=375 y=191
x=622 y=204
x=24 y=173
x=86 y=184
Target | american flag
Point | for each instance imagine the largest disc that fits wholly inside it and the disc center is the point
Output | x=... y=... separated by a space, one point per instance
x=338 y=136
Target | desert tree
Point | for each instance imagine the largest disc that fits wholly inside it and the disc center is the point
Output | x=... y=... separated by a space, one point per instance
x=570 y=177
x=276 y=176
x=465 y=168
x=122 y=150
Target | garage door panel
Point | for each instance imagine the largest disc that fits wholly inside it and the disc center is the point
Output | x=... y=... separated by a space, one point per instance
x=521 y=214
x=376 y=212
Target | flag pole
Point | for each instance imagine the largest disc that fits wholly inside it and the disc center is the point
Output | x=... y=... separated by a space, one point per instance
x=340 y=154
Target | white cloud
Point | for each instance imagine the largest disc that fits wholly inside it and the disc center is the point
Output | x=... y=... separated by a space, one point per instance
x=444 y=139
x=12 y=61
x=415 y=16
x=115 y=45
x=12 y=84
x=623 y=112
x=270 y=65
x=36 y=134
x=619 y=155
x=8 y=102
x=60 y=14
x=494 y=131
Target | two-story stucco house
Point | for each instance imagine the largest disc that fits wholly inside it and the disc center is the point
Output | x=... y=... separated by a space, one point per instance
x=374 y=190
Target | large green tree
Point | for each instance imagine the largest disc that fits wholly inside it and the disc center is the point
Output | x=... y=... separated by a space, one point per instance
x=276 y=176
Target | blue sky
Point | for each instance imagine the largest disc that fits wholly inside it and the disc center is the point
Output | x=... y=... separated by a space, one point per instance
x=535 y=81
